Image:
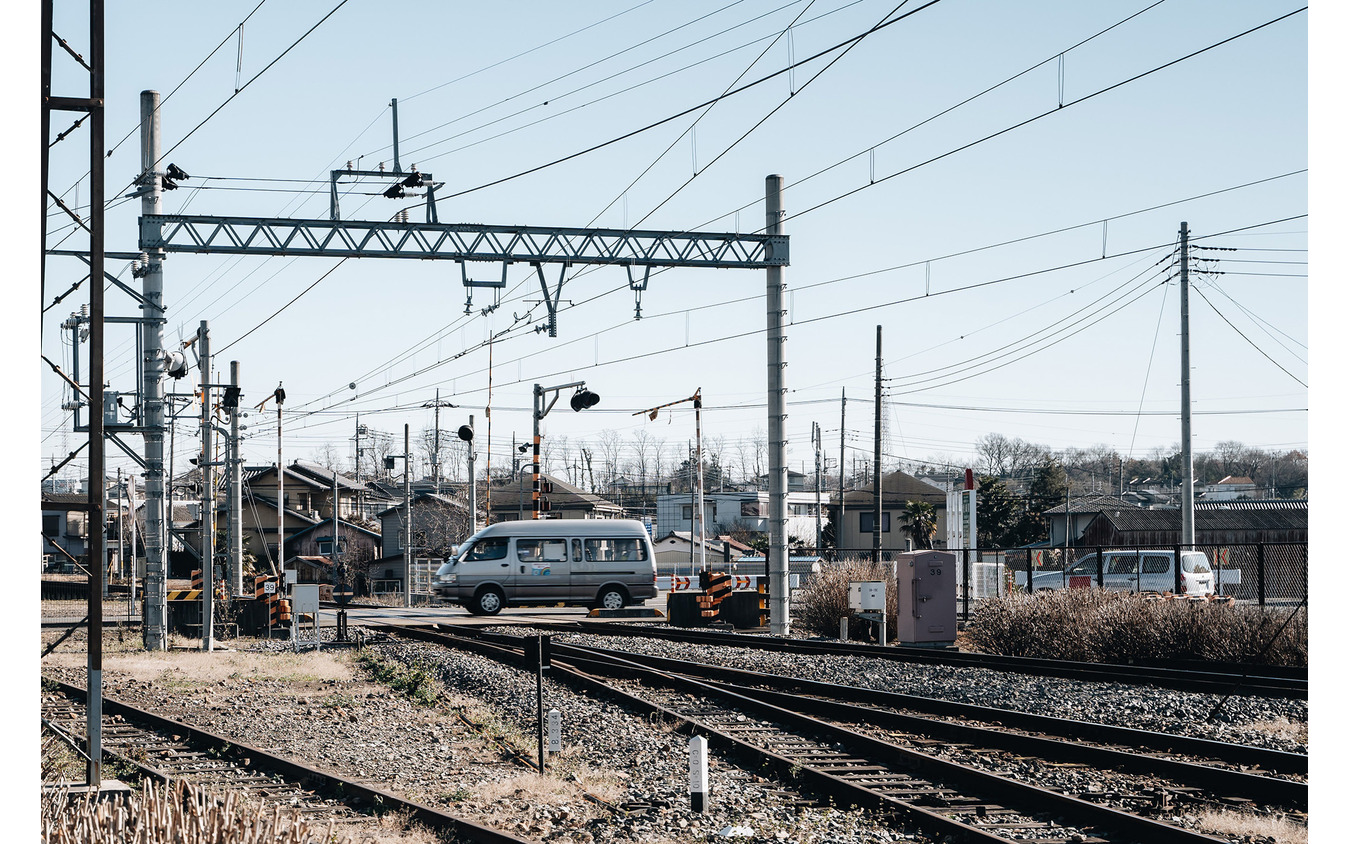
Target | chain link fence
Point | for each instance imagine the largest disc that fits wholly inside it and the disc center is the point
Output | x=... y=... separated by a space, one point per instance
x=1266 y=574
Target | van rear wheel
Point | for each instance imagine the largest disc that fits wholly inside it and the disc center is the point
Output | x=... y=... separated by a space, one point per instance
x=488 y=602
x=612 y=598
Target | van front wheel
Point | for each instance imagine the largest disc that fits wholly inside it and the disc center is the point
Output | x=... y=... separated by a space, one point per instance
x=488 y=602
x=612 y=598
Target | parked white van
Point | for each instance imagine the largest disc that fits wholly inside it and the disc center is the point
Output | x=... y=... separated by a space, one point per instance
x=606 y=563
x=1133 y=571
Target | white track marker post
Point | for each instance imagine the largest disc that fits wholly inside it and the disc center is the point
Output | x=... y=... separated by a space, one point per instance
x=843 y=629
x=698 y=774
x=554 y=731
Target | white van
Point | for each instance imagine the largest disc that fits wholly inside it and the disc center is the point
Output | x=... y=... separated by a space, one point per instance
x=606 y=563
x=1141 y=570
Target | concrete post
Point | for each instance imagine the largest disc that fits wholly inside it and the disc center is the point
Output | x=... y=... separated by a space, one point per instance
x=779 y=622
x=155 y=631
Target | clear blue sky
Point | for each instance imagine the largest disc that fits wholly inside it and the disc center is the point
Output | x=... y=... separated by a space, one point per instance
x=996 y=339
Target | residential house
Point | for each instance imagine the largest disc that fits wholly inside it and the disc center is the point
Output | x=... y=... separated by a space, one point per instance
x=725 y=512
x=439 y=523
x=676 y=552
x=316 y=549
x=853 y=523
x=512 y=498
x=1230 y=489
x=1082 y=510
x=65 y=530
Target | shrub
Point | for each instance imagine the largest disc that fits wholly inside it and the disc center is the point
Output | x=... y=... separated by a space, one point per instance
x=1091 y=625
x=824 y=600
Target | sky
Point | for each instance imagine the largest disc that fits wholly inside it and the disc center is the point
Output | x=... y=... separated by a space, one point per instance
x=1007 y=209
x=921 y=195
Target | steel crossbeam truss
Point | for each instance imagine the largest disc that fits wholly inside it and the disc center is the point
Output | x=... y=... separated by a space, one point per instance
x=461 y=242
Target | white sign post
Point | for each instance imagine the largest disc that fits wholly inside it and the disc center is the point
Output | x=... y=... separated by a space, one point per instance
x=554 y=731
x=698 y=774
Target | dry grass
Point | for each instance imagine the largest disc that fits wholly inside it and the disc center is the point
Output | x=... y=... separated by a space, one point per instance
x=819 y=606
x=176 y=814
x=1247 y=827
x=195 y=668
x=1283 y=728
x=1092 y=625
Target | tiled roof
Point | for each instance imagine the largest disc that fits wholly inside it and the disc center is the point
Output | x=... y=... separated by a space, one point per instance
x=896 y=487
x=1091 y=504
x=1209 y=519
x=512 y=494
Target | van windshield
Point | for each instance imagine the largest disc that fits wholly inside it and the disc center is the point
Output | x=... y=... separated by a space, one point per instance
x=1195 y=563
x=493 y=548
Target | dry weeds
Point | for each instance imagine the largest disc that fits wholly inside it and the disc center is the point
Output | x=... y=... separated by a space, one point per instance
x=1248 y=827
x=1092 y=625
x=1283 y=728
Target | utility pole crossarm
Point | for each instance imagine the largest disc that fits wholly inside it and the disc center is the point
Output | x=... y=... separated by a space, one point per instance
x=461 y=242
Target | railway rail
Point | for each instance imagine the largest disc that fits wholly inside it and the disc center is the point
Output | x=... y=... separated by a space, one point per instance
x=1271 y=681
x=854 y=756
x=168 y=750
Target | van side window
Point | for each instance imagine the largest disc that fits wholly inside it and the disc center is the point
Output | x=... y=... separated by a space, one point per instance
x=1157 y=564
x=1124 y=564
x=541 y=550
x=488 y=549
x=615 y=549
x=1086 y=566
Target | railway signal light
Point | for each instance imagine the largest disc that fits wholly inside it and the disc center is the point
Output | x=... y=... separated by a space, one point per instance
x=583 y=399
x=466 y=433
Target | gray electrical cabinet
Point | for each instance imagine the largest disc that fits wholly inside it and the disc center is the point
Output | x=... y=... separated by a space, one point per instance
x=926 y=592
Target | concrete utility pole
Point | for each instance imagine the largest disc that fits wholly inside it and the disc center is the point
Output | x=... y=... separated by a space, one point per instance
x=156 y=631
x=839 y=529
x=779 y=622
x=815 y=440
x=208 y=492
x=407 y=522
x=236 y=481
x=473 y=484
x=876 y=462
x=1187 y=460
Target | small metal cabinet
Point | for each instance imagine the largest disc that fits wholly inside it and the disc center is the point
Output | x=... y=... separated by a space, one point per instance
x=926 y=592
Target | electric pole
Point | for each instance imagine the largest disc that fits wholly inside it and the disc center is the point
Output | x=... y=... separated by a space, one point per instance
x=156 y=632
x=208 y=492
x=1187 y=461
x=236 y=470
x=779 y=623
x=876 y=460
x=815 y=440
x=839 y=531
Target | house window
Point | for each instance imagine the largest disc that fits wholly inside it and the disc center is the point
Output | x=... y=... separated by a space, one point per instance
x=51 y=524
x=75 y=523
x=865 y=522
x=687 y=512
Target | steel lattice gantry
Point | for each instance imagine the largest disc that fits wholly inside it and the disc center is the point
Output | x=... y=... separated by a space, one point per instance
x=461 y=242
x=535 y=245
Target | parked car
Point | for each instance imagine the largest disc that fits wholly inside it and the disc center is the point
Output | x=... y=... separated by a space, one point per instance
x=1133 y=571
x=606 y=563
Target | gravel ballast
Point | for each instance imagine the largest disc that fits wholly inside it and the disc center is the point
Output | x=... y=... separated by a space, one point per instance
x=368 y=732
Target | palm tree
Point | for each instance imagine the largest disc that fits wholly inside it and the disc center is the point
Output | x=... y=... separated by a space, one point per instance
x=920 y=523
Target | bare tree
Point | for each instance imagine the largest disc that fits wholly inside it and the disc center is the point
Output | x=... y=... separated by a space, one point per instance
x=611 y=449
x=329 y=457
x=713 y=450
x=642 y=457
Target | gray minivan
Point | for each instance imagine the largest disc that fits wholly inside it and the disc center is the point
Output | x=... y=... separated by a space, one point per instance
x=1133 y=571
x=607 y=563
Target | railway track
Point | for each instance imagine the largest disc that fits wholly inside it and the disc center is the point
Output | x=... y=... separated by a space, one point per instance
x=916 y=770
x=1217 y=678
x=169 y=750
